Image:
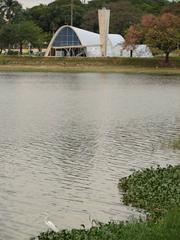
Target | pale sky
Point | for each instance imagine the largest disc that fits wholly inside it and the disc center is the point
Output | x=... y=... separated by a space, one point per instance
x=30 y=3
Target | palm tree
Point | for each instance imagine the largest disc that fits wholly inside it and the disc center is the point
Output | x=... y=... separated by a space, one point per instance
x=9 y=8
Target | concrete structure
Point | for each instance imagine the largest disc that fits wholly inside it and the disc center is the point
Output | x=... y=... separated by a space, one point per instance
x=141 y=50
x=104 y=17
x=72 y=41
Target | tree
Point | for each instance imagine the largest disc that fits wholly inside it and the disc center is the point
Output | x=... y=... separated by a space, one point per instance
x=1 y=20
x=9 y=9
x=132 y=38
x=90 y=21
x=21 y=33
x=51 y=17
x=28 y=32
x=123 y=14
x=60 y=13
x=162 y=32
x=150 y=6
x=7 y=36
x=173 y=8
x=41 y=16
x=145 y=6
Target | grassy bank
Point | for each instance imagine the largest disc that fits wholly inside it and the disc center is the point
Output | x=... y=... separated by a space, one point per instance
x=121 y=65
x=155 y=190
x=167 y=228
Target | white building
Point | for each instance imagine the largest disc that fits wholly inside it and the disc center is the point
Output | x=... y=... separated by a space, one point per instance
x=72 y=41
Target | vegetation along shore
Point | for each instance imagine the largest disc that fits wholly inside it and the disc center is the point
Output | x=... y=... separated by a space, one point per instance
x=118 y=65
x=157 y=192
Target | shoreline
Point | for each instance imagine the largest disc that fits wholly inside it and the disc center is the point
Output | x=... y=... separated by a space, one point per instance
x=90 y=69
x=161 y=205
x=154 y=65
x=155 y=191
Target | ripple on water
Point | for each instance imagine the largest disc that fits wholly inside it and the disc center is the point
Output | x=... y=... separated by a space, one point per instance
x=66 y=139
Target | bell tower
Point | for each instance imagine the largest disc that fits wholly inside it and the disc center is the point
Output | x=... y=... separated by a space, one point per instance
x=104 y=18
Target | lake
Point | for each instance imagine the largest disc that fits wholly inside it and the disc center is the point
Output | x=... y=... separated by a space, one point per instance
x=66 y=139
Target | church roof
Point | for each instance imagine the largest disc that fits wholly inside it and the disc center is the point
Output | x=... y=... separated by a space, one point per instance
x=85 y=38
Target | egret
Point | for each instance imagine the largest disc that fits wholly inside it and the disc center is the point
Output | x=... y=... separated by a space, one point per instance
x=50 y=224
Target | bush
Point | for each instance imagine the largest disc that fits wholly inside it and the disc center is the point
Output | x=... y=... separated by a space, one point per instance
x=12 y=53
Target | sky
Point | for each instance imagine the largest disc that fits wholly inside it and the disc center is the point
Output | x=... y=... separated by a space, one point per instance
x=30 y=3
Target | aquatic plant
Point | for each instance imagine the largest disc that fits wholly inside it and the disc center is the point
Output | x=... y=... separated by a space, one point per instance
x=167 y=228
x=155 y=190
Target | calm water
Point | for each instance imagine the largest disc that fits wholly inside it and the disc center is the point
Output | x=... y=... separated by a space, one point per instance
x=66 y=139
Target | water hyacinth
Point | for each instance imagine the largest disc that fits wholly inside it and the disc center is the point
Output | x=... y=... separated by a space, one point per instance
x=166 y=228
x=155 y=190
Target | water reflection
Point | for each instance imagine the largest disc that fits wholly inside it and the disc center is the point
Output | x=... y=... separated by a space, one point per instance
x=66 y=139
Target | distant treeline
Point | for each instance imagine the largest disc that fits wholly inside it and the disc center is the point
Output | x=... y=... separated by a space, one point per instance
x=50 y=17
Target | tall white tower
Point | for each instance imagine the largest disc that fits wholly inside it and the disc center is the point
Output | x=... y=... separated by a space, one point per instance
x=104 y=18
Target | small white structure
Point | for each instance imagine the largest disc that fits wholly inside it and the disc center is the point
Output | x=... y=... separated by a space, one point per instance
x=141 y=50
x=72 y=41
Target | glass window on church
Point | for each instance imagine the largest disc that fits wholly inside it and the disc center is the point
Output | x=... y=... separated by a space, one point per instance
x=66 y=37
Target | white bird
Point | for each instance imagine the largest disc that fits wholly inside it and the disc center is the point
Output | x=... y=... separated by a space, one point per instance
x=50 y=224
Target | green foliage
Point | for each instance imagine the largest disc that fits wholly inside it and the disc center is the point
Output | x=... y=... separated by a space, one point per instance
x=153 y=64
x=156 y=51
x=123 y=14
x=56 y=14
x=29 y=32
x=7 y=35
x=155 y=190
x=13 y=53
x=167 y=228
x=160 y=32
x=50 y=17
x=10 y=9
x=41 y=16
x=21 y=33
x=173 y=8
x=164 y=33
x=150 y=6
x=176 y=52
x=145 y=6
